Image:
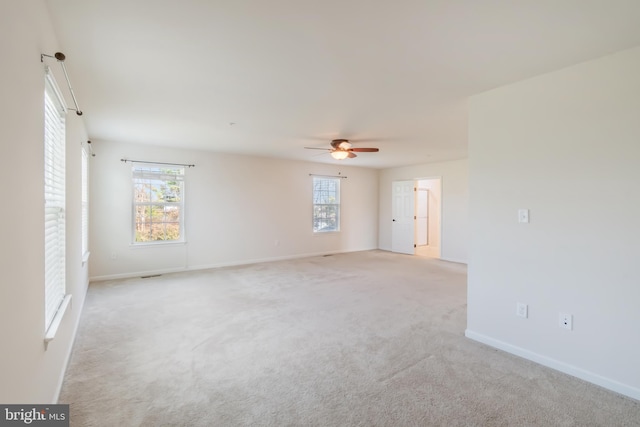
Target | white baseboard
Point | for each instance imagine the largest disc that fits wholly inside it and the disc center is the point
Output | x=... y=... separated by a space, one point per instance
x=618 y=387
x=457 y=261
x=218 y=265
x=132 y=274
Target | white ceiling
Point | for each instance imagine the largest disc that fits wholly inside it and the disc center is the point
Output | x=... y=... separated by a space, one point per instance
x=271 y=77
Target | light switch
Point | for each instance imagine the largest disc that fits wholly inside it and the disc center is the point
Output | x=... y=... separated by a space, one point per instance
x=523 y=215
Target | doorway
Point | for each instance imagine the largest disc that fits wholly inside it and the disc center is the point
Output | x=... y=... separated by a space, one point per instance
x=428 y=210
x=416 y=216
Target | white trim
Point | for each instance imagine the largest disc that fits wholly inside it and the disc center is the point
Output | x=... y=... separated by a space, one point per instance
x=618 y=387
x=57 y=319
x=157 y=244
x=67 y=357
x=84 y=201
x=324 y=233
x=457 y=261
x=85 y=257
x=219 y=265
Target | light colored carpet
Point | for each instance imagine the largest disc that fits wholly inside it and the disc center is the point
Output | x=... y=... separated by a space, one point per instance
x=361 y=339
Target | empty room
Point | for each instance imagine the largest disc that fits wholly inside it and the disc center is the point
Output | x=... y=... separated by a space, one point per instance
x=250 y=213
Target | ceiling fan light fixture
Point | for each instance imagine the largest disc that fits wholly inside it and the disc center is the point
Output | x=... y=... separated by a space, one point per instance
x=339 y=155
x=341 y=149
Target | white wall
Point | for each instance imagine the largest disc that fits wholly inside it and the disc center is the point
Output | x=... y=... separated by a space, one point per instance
x=565 y=145
x=28 y=372
x=236 y=208
x=454 y=199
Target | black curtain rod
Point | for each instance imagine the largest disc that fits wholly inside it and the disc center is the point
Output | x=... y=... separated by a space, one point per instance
x=328 y=176
x=157 y=163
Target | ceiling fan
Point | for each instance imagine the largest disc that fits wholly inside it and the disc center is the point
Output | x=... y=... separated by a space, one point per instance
x=341 y=149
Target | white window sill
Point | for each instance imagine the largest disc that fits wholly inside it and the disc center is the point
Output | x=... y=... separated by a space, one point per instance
x=157 y=244
x=57 y=319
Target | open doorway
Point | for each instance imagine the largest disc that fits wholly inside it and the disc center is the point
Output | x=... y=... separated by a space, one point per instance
x=416 y=216
x=428 y=206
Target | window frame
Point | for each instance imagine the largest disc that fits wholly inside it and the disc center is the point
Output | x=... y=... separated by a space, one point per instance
x=84 y=200
x=54 y=170
x=316 y=207
x=155 y=171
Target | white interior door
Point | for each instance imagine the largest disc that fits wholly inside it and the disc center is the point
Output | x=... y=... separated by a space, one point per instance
x=403 y=211
x=422 y=217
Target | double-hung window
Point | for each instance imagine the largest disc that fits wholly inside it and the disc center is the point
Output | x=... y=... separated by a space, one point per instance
x=54 y=203
x=326 y=204
x=158 y=208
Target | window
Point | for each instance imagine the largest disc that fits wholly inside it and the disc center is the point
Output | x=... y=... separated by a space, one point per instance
x=85 y=204
x=326 y=204
x=158 y=204
x=54 y=200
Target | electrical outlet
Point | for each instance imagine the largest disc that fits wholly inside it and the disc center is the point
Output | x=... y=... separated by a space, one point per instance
x=523 y=215
x=566 y=321
x=522 y=310
x=114 y=255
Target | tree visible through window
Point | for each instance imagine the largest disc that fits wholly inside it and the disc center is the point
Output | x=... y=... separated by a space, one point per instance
x=158 y=204
x=326 y=204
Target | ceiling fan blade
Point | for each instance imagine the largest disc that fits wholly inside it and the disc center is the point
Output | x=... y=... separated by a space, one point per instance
x=370 y=140
x=342 y=147
x=365 y=150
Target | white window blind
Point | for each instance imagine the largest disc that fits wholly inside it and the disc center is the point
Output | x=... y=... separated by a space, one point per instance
x=54 y=199
x=85 y=203
x=326 y=204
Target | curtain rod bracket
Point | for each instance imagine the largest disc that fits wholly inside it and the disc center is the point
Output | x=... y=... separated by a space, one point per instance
x=90 y=149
